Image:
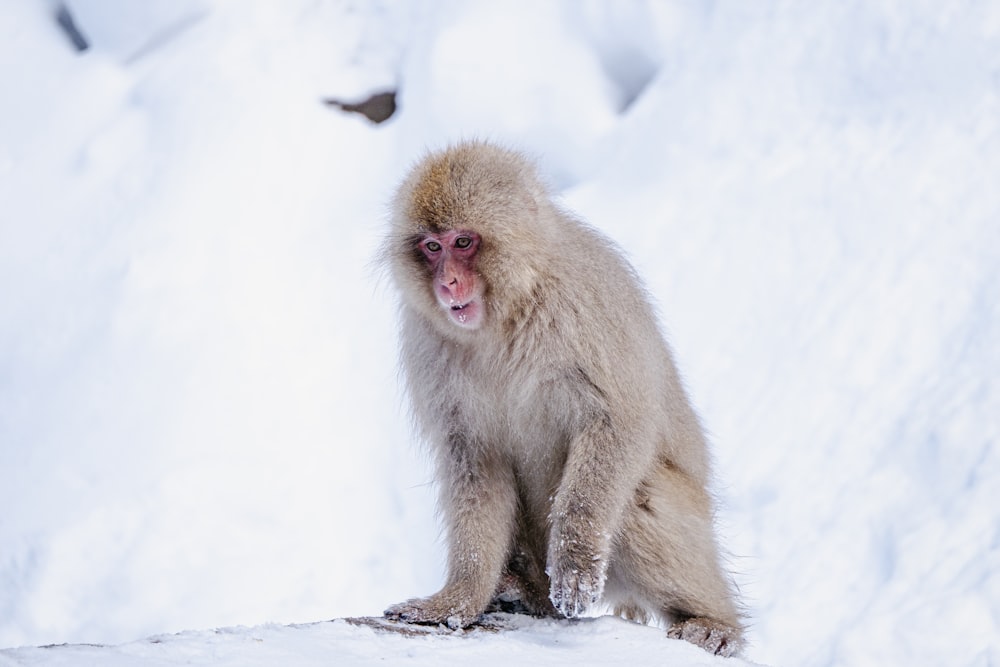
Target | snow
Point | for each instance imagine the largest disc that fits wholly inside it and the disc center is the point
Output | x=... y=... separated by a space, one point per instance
x=200 y=420
x=606 y=640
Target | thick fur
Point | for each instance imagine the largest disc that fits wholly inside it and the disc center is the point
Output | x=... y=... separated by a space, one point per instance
x=571 y=464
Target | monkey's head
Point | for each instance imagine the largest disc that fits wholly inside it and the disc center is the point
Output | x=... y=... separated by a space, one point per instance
x=468 y=236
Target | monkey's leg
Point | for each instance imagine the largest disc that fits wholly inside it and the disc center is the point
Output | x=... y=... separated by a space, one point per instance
x=479 y=503
x=524 y=586
x=666 y=556
x=516 y=595
x=586 y=514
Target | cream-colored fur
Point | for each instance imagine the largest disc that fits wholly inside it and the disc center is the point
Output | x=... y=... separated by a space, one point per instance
x=572 y=467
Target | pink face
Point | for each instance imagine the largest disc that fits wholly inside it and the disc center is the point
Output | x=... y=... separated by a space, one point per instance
x=452 y=259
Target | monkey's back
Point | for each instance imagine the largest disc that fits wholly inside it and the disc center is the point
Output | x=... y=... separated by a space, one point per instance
x=607 y=318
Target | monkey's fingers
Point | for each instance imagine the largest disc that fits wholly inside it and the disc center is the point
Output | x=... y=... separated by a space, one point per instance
x=575 y=591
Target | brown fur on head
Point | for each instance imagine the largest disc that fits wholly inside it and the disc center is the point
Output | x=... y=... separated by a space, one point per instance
x=469 y=184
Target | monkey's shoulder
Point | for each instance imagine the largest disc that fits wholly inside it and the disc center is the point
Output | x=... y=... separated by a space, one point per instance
x=593 y=279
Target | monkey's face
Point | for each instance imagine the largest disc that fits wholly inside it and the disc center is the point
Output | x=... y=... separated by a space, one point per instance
x=451 y=261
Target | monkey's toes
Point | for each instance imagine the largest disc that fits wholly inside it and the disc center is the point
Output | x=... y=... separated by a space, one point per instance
x=715 y=637
x=397 y=612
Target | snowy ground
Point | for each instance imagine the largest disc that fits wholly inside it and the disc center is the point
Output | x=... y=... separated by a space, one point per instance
x=601 y=641
x=200 y=424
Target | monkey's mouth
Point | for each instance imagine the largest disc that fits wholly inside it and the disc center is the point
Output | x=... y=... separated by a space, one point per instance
x=468 y=315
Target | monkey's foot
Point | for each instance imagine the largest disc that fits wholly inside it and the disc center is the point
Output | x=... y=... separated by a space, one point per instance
x=435 y=610
x=713 y=636
x=515 y=596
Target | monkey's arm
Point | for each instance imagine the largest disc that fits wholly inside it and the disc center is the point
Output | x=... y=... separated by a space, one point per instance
x=479 y=499
x=602 y=472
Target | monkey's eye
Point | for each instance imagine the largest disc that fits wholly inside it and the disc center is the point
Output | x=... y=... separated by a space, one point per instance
x=463 y=242
x=432 y=246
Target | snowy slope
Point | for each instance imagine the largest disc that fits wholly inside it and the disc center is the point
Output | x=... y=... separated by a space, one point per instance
x=604 y=641
x=200 y=424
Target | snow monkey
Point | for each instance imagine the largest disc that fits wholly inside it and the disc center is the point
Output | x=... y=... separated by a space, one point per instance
x=572 y=467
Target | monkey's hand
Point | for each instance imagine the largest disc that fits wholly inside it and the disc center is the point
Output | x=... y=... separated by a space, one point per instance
x=447 y=607
x=576 y=582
